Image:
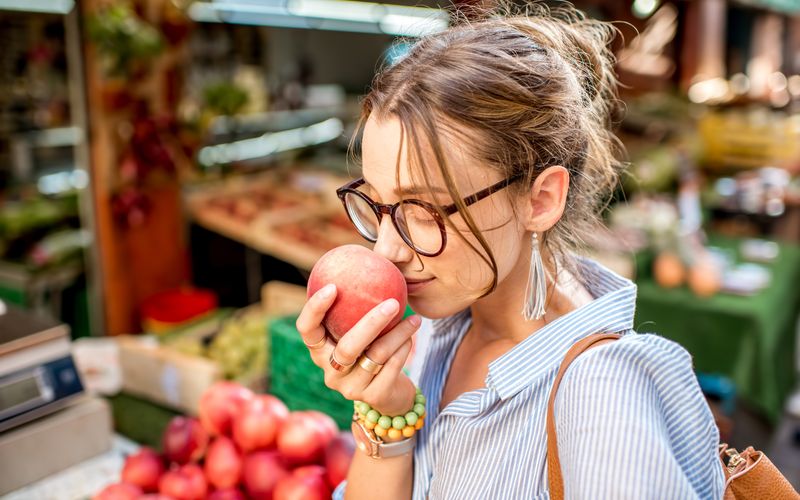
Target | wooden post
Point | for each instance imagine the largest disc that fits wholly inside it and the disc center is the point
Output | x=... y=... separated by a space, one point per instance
x=139 y=260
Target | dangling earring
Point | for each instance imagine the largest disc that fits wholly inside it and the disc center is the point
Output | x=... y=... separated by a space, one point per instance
x=536 y=289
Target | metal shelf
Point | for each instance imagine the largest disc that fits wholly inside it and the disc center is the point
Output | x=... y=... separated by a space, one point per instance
x=39 y=6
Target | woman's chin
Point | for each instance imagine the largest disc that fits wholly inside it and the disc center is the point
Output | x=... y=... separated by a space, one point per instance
x=433 y=308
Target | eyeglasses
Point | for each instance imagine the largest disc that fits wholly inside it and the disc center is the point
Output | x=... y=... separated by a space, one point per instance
x=418 y=222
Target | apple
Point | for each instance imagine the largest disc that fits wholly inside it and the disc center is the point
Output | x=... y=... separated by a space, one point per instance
x=258 y=423
x=363 y=280
x=184 y=440
x=185 y=482
x=305 y=436
x=338 y=456
x=219 y=404
x=261 y=472
x=305 y=483
x=119 y=491
x=223 y=464
x=143 y=469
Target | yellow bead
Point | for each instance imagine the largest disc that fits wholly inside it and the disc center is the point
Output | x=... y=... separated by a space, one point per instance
x=408 y=431
x=395 y=434
x=380 y=431
x=370 y=425
x=419 y=424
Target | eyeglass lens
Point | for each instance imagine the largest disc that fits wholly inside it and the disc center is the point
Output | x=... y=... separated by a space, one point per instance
x=415 y=223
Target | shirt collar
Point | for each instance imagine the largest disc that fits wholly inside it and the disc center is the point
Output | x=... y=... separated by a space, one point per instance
x=612 y=310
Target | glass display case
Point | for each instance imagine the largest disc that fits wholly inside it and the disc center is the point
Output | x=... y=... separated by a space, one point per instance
x=47 y=253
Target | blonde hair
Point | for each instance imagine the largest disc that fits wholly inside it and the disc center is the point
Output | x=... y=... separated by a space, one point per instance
x=528 y=87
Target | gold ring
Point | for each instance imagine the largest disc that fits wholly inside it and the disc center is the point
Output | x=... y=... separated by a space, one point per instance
x=317 y=345
x=369 y=365
x=339 y=367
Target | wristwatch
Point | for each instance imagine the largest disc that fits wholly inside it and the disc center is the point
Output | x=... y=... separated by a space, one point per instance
x=368 y=442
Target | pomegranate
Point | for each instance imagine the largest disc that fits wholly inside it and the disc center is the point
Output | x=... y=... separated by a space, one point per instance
x=338 y=456
x=227 y=494
x=220 y=404
x=184 y=440
x=258 y=423
x=304 y=437
x=143 y=469
x=223 y=464
x=119 y=491
x=261 y=472
x=305 y=483
x=186 y=482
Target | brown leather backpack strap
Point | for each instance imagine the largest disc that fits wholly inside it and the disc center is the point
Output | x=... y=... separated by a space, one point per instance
x=554 y=477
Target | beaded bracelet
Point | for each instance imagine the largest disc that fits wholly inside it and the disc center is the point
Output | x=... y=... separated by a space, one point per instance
x=395 y=428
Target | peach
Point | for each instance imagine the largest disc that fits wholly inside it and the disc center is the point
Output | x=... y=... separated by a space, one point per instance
x=363 y=280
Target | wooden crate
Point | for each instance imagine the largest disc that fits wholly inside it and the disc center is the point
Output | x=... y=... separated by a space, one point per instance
x=163 y=375
x=176 y=380
x=279 y=298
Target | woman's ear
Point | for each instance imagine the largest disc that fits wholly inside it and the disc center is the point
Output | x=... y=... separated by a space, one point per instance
x=547 y=199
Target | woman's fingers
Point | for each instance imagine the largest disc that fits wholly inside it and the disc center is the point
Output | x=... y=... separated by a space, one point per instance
x=391 y=390
x=309 y=322
x=364 y=332
x=382 y=350
x=390 y=350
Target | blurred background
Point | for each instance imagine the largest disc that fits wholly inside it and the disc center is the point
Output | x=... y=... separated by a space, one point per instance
x=167 y=177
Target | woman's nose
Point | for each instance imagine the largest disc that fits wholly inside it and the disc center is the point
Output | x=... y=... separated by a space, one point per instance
x=390 y=244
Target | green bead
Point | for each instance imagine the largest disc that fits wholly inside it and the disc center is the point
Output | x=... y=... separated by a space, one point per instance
x=385 y=421
x=364 y=408
x=419 y=391
x=373 y=416
x=419 y=409
x=420 y=398
x=398 y=423
x=411 y=418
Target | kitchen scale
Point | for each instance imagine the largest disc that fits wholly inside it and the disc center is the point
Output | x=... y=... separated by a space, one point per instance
x=37 y=373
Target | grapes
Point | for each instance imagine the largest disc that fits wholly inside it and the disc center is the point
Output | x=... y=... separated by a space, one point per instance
x=240 y=347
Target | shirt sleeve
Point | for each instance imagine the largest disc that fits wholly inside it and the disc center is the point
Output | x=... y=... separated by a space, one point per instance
x=632 y=423
x=338 y=493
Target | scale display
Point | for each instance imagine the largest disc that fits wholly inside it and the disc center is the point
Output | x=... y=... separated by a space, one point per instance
x=19 y=392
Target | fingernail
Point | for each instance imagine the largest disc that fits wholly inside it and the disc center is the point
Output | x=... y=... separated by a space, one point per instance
x=389 y=307
x=327 y=291
x=415 y=320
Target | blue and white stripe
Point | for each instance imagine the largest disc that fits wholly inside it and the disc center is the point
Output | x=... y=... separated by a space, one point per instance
x=632 y=422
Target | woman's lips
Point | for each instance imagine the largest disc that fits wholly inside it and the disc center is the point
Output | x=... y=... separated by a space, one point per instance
x=417 y=285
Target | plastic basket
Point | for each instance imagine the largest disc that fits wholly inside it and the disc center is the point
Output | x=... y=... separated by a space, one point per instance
x=296 y=380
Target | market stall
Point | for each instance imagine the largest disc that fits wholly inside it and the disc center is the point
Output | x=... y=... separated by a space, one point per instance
x=750 y=336
x=168 y=176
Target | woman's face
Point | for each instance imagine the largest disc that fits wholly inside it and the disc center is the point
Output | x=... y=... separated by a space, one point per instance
x=450 y=282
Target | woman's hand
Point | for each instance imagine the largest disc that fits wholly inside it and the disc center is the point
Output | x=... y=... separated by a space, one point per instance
x=390 y=392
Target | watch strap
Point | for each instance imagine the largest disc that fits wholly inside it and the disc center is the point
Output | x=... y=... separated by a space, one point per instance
x=396 y=449
x=369 y=443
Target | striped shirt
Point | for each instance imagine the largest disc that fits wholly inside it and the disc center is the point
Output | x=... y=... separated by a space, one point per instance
x=632 y=422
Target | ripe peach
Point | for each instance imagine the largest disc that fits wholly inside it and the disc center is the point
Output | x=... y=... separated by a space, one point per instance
x=363 y=280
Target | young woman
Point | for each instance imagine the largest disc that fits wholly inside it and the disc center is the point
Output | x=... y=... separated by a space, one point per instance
x=486 y=156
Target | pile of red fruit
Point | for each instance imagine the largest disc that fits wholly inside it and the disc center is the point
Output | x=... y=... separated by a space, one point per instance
x=244 y=445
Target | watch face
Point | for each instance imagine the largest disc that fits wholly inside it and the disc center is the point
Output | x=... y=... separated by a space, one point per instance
x=362 y=439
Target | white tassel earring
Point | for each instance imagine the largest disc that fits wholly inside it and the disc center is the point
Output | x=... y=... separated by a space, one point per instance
x=536 y=289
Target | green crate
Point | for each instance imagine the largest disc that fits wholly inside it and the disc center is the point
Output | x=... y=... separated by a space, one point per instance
x=139 y=419
x=295 y=378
